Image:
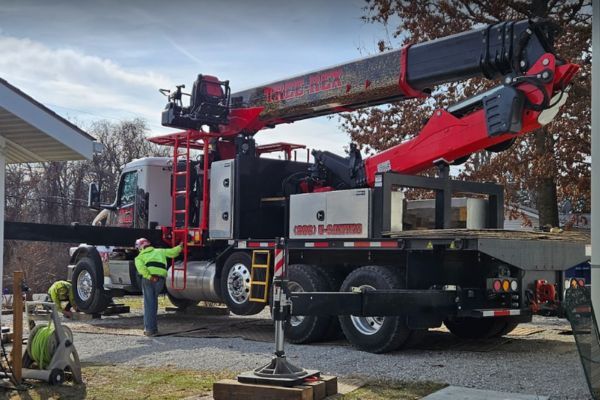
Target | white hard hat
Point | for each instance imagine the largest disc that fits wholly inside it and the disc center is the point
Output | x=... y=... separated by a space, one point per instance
x=141 y=243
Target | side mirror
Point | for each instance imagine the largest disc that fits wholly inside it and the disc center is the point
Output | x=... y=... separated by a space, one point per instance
x=94 y=196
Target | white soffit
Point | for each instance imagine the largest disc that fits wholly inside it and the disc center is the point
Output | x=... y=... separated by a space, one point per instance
x=34 y=133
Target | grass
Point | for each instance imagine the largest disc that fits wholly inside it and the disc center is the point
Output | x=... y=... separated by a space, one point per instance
x=131 y=383
x=137 y=303
x=380 y=390
x=123 y=383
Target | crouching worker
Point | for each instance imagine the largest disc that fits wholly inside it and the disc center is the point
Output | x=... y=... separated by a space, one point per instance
x=62 y=291
x=151 y=264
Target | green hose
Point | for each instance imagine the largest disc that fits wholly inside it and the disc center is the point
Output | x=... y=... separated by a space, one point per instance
x=42 y=346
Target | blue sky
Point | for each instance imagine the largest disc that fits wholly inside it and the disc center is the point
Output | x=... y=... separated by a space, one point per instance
x=106 y=59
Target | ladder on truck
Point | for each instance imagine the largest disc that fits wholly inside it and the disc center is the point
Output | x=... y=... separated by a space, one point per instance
x=183 y=143
x=180 y=222
x=180 y=207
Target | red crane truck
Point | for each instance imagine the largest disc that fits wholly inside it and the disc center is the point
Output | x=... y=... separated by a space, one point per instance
x=353 y=267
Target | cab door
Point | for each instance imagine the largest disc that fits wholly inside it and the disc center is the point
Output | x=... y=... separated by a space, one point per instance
x=126 y=199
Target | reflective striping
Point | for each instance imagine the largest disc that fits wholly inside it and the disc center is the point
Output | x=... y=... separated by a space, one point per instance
x=363 y=244
x=278 y=263
x=582 y=309
x=316 y=244
x=261 y=244
x=499 y=313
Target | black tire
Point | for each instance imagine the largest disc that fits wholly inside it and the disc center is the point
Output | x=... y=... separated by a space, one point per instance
x=334 y=276
x=235 y=289
x=182 y=304
x=475 y=328
x=308 y=329
x=507 y=327
x=374 y=334
x=97 y=299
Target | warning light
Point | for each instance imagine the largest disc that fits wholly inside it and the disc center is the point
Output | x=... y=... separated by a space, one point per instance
x=506 y=285
x=514 y=285
x=573 y=284
x=497 y=285
x=581 y=282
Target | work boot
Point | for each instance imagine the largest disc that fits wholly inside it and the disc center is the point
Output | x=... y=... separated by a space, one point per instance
x=150 y=333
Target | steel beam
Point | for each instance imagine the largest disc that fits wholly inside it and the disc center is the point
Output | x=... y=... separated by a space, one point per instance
x=93 y=235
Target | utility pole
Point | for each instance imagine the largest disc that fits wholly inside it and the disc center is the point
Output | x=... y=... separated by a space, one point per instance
x=596 y=159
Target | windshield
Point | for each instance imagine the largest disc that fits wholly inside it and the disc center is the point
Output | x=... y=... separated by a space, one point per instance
x=128 y=188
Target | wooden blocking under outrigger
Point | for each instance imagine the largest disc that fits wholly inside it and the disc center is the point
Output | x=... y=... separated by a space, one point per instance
x=230 y=389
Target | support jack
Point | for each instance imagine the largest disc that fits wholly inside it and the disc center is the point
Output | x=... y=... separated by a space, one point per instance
x=279 y=371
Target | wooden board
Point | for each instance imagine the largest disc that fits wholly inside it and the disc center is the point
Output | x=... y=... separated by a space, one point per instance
x=116 y=309
x=319 y=389
x=331 y=384
x=571 y=236
x=230 y=389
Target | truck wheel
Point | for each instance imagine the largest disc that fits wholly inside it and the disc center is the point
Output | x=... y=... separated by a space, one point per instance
x=235 y=285
x=307 y=329
x=507 y=327
x=374 y=334
x=334 y=277
x=88 y=282
x=182 y=304
x=474 y=328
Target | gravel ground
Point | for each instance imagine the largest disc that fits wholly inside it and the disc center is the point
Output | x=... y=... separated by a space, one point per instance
x=546 y=363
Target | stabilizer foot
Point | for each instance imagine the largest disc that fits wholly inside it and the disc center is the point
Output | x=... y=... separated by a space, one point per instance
x=278 y=372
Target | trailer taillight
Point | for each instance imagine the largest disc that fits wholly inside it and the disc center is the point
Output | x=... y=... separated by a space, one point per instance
x=497 y=286
x=573 y=284
x=502 y=285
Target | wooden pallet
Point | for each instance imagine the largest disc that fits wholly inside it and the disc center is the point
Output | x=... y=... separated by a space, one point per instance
x=230 y=389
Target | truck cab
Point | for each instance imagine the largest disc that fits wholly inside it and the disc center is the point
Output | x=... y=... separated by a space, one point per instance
x=142 y=201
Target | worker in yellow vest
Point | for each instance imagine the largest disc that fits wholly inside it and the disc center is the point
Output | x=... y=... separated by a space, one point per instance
x=62 y=291
x=151 y=264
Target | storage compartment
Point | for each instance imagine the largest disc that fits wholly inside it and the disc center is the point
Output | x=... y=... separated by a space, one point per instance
x=260 y=203
x=336 y=214
x=220 y=221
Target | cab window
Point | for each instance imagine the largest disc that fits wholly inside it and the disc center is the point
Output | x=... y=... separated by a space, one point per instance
x=128 y=188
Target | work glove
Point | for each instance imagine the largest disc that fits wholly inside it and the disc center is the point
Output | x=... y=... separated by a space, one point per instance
x=154 y=278
x=67 y=314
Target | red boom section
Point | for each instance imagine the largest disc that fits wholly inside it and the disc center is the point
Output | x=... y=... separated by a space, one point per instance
x=448 y=138
x=370 y=81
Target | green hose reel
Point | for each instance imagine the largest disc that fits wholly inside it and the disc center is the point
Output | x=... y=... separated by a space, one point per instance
x=42 y=344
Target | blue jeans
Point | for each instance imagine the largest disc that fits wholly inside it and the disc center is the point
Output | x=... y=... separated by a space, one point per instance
x=151 y=292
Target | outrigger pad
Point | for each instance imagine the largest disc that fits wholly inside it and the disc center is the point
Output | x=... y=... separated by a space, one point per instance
x=279 y=372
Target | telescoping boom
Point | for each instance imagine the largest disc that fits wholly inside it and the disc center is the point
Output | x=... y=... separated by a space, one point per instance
x=534 y=81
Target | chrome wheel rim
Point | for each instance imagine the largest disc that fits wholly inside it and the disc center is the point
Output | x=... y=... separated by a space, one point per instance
x=84 y=285
x=238 y=283
x=367 y=325
x=295 y=320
